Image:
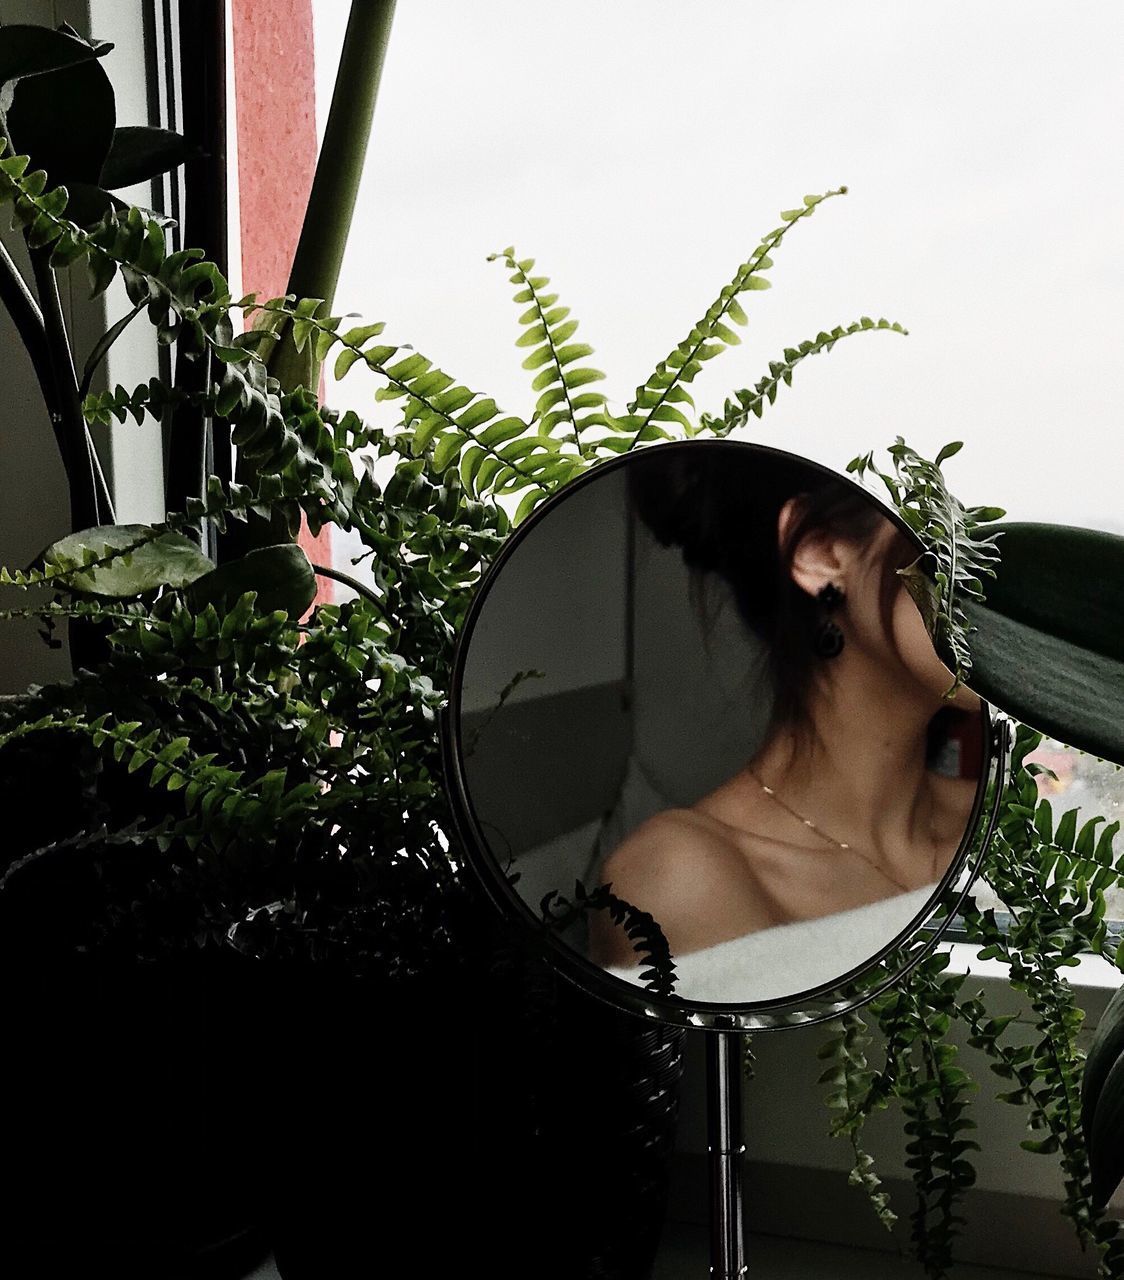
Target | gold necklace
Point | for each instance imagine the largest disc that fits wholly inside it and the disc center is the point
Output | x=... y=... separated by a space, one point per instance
x=839 y=844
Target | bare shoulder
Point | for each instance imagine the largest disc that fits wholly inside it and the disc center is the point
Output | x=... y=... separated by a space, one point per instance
x=672 y=846
x=679 y=868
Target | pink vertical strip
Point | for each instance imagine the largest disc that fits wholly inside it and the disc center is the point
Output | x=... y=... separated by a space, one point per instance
x=275 y=93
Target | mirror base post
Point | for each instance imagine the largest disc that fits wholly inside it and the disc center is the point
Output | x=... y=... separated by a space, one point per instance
x=725 y=1149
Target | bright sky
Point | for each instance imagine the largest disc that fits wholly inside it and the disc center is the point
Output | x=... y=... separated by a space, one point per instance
x=639 y=149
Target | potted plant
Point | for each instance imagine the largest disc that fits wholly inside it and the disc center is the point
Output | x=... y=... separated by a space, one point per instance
x=232 y=781
x=327 y=925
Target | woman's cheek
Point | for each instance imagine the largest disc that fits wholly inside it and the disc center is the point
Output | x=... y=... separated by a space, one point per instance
x=915 y=648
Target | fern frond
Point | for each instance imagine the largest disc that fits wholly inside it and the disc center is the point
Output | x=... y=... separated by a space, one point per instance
x=957 y=553
x=60 y=568
x=98 y=839
x=736 y=411
x=851 y=1080
x=444 y=423
x=657 y=397
x=440 y=416
x=180 y=291
x=641 y=929
x=548 y=330
x=153 y=397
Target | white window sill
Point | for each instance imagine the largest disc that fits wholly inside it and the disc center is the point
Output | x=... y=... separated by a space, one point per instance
x=1093 y=979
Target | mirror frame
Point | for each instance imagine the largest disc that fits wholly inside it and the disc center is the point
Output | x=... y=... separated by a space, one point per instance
x=814 y=1004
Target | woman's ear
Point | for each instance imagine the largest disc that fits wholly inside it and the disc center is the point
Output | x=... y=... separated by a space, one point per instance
x=819 y=557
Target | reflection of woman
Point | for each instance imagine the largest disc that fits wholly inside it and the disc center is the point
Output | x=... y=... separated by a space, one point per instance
x=839 y=807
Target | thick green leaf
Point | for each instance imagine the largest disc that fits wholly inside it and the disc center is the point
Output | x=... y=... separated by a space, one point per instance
x=79 y=94
x=281 y=575
x=106 y=341
x=139 y=152
x=1046 y=646
x=29 y=50
x=157 y=559
x=1107 y=1046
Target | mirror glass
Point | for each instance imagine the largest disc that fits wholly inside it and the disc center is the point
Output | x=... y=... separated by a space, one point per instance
x=695 y=688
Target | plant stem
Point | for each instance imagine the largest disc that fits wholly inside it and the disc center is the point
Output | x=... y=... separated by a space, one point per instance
x=331 y=202
x=360 y=588
x=29 y=321
x=44 y=333
x=20 y=304
x=90 y=503
x=327 y=219
x=335 y=185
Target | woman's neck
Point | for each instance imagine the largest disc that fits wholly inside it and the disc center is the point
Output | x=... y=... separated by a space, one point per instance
x=859 y=770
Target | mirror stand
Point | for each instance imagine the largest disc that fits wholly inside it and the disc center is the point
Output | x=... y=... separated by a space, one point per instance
x=725 y=1149
x=647 y=695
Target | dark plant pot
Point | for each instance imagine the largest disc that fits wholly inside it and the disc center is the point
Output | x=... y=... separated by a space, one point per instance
x=444 y=1124
x=181 y=1118
x=125 y=1088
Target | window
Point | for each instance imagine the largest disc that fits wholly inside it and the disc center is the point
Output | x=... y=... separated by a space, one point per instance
x=639 y=156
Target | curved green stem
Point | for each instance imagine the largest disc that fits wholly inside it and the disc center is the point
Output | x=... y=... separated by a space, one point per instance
x=360 y=588
x=90 y=503
x=335 y=186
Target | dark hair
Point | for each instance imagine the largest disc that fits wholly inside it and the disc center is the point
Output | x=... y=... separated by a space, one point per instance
x=721 y=507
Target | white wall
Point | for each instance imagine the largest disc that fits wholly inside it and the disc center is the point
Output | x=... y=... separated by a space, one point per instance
x=559 y=603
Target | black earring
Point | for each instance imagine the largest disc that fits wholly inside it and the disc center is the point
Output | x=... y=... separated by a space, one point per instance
x=829 y=638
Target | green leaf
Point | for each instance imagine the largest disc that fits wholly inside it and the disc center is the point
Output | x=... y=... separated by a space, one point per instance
x=406 y=369
x=139 y=558
x=478 y=413
x=470 y=465
x=28 y=50
x=527 y=504
x=575 y=351
x=1066 y=832
x=505 y=429
x=448 y=448
x=532 y=335
x=538 y=358
x=362 y=333
x=79 y=93
x=281 y=576
x=138 y=153
x=103 y=344
x=582 y=377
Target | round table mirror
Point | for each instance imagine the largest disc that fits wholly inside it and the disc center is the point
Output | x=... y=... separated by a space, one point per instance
x=698 y=739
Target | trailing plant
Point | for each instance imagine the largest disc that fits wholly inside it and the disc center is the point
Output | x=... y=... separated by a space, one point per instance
x=1051 y=877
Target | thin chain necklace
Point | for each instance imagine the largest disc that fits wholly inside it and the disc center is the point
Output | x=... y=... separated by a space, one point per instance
x=839 y=844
